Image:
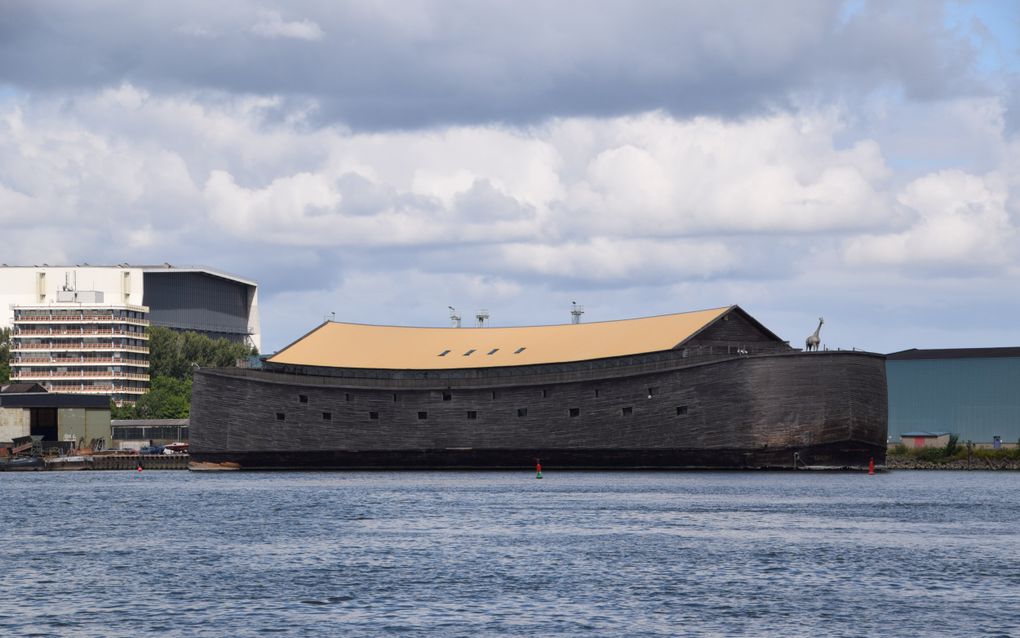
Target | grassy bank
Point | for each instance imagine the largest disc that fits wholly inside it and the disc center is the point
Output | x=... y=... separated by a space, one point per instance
x=954 y=455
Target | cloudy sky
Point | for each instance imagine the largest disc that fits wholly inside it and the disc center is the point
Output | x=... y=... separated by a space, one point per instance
x=383 y=160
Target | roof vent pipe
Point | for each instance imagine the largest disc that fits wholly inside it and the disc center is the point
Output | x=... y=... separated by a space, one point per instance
x=575 y=312
x=454 y=317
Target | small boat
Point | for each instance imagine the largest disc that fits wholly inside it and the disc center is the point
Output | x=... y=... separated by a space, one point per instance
x=27 y=464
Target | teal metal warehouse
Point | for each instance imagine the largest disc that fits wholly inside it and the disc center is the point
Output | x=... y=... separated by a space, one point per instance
x=972 y=392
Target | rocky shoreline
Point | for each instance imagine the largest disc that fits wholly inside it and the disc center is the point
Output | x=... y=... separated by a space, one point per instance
x=897 y=462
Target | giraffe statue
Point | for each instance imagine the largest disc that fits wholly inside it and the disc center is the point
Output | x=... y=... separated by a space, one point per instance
x=812 y=342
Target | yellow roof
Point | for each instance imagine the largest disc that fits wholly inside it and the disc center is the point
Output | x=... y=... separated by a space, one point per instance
x=348 y=345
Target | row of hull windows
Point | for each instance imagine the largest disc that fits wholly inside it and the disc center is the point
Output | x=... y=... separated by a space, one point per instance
x=681 y=410
x=448 y=396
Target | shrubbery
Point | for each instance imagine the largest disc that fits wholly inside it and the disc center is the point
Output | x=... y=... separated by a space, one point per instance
x=172 y=357
x=954 y=451
x=5 y=355
x=930 y=454
x=953 y=445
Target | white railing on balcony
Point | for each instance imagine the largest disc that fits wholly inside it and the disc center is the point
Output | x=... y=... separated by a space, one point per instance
x=30 y=374
x=79 y=319
x=79 y=361
x=17 y=346
x=83 y=332
x=94 y=389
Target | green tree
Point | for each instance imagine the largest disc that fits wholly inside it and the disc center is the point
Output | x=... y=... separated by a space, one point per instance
x=125 y=411
x=953 y=445
x=174 y=354
x=167 y=398
x=5 y=354
x=172 y=357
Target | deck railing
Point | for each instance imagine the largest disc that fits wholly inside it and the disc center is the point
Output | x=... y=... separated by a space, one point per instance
x=78 y=361
x=57 y=345
x=87 y=332
x=80 y=374
x=79 y=319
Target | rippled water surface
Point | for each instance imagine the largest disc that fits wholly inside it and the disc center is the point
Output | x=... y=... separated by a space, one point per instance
x=475 y=554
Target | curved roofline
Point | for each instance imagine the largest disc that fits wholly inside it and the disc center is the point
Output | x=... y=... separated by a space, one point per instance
x=725 y=309
x=536 y=325
x=361 y=345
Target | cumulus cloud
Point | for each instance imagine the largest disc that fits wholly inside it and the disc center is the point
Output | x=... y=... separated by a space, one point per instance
x=611 y=199
x=611 y=260
x=385 y=159
x=398 y=64
x=645 y=176
x=782 y=173
x=960 y=223
x=271 y=25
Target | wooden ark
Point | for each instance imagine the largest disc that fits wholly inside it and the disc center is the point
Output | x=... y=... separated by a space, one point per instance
x=724 y=393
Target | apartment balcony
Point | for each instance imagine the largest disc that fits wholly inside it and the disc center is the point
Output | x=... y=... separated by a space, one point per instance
x=84 y=331
x=78 y=319
x=17 y=346
x=76 y=361
x=72 y=388
x=36 y=375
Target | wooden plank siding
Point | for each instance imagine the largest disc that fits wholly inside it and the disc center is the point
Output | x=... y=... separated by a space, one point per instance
x=673 y=409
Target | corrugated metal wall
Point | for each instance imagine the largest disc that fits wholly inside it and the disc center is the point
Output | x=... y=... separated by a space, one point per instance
x=975 y=398
x=199 y=302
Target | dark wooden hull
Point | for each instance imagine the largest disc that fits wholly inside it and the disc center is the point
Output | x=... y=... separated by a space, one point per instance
x=663 y=410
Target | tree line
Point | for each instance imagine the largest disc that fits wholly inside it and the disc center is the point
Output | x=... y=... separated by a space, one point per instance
x=172 y=357
x=5 y=355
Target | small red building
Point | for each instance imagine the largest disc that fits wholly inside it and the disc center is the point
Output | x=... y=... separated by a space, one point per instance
x=925 y=439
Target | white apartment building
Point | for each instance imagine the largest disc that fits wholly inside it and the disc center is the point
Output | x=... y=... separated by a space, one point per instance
x=78 y=344
x=179 y=297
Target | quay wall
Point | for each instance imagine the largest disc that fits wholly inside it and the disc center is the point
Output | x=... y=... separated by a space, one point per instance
x=147 y=461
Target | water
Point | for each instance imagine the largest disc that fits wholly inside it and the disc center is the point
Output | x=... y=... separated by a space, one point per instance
x=478 y=554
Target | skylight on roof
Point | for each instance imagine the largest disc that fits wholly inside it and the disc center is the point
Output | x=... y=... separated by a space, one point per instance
x=443 y=353
x=494 y=351
x=520 y=350
x=468 y=353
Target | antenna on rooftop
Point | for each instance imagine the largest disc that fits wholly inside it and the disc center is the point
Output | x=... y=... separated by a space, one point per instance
x=481 y=317
x=575 y=312
x=454 y=317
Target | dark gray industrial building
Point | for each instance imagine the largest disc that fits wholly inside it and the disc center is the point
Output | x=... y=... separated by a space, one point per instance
x=971 y=392
x=202 y=300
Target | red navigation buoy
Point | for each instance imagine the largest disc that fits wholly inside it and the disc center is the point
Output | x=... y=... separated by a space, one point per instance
x=871 y=466
x=139 y=467
x=538 y=470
